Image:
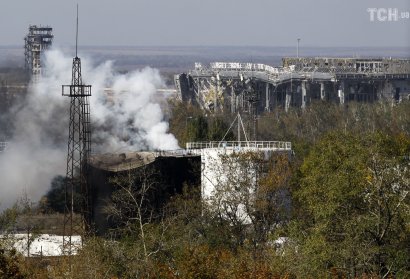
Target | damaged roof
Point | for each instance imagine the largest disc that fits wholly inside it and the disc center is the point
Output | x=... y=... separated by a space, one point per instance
x=122 y=161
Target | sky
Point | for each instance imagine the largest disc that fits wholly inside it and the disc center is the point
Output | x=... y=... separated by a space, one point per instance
x=326 y=23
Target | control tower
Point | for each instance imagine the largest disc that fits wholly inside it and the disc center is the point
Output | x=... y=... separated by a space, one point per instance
x=37 y=40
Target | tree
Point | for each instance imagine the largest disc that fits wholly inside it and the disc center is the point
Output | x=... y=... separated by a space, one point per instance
x=27 y=210
x=10 y=261
x=141 y=224
x=387 y=199
x=272 y=198
x=10 y=265
x=217 y=129
x=197 y=128
x=55 y=198
x=251 y=195
x=20 y=217
x=354 y=191
x=201 y=245
x=180 y=125
x=8 y=219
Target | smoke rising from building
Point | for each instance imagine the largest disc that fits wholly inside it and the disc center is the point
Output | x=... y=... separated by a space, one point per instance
x=126 y=117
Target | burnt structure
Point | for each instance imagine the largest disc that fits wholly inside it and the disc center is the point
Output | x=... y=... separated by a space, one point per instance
x=170 y=171
x=250 y=87
x=36 y=41
x=199 y=166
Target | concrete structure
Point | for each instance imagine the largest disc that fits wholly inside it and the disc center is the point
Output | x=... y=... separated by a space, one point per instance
x=223 y=86
x=200 y=164
x=211 y=153
x=40 y=245
x=224 y=172
x=172 y=170
x=36 y=41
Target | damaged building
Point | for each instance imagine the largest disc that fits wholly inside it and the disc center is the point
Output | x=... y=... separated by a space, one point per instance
x=234 y=87
x=38 y=39
x=199 y=165
x=170 y=171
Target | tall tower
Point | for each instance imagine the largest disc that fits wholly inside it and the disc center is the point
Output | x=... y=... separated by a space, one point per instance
x=77 y=213
x=36 y=41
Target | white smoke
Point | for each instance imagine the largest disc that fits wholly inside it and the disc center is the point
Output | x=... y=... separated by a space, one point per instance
x=124 y=118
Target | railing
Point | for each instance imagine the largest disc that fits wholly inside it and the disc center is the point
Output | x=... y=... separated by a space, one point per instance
x=250 y=67
x=370 y=67
x=171 y=153
x=273 y=145
x=235 y=66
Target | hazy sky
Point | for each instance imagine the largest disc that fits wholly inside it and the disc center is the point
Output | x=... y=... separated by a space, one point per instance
x=209 y=22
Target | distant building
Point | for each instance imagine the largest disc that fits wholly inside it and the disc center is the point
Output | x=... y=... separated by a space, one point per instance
x=36 y=41
x=243 y=87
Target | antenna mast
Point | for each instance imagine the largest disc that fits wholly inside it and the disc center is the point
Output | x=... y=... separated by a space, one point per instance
x=77 y=212
x=76 y=35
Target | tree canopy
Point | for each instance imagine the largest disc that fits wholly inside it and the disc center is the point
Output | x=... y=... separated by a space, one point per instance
x=355 y=192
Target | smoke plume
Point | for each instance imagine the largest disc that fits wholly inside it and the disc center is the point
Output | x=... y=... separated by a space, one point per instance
x=124 y=116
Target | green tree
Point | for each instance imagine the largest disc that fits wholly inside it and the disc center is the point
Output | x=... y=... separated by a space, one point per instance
x=197 y=128
x=250 y=195
x=180 y=122
x=10 y=260
x=354 y=191
x=10 y=265
x=217 y=129
x=55 y=198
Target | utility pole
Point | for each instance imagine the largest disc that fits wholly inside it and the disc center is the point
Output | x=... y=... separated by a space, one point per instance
x=297 y=49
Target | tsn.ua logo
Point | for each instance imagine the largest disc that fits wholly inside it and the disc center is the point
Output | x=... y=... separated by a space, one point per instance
x=387 y=14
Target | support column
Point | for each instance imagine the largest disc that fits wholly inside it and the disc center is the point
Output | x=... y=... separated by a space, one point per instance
x=198 y=87
x=233 y=100
x=274 y=97
x=267 y=98
x=288 y=99
x=322 y=91
x=341 y=92
x=216 y=94
x=352 y=91
x=197 y=92
x=304 y=95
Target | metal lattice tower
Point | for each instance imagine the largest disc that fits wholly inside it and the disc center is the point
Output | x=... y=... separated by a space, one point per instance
x=37 y=40
x=77 y=213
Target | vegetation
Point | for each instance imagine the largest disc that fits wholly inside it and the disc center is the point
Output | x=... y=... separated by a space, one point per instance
x=353 y=192
x=188 y=123
x=338 y=208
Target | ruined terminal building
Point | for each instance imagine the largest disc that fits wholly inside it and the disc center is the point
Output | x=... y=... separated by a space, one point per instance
x=236 y=87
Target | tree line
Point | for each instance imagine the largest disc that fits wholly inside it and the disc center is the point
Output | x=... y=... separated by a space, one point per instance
x=339 y=207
